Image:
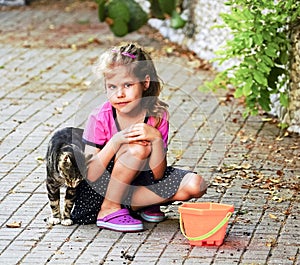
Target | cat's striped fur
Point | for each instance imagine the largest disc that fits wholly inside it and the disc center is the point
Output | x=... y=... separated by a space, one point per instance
x=66 y=165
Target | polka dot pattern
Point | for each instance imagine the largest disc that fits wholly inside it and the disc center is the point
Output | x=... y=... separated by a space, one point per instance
x=91 y=195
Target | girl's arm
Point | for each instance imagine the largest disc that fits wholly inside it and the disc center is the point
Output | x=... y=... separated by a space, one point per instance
x=102 y=157
x=157 y=159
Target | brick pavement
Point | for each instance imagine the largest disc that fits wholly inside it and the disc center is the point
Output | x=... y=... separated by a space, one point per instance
x=47 y=84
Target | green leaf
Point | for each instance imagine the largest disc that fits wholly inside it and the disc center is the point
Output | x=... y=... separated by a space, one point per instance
x=238 y=92
x=271 y=52
x=236 y=16
x=258 y=39
x=243 y=72
x=266 y=35
x=268 y=61
x=247 y=89
x=250 y=61
x=273 y=45
x=249 y=41
x=119 y=27
x=255 y=90
x=261 y=66
x=248 y=15
x=118 y=10
x=177 y=21
x=254 y=111
x=264 y=100
x=284 y=57
x=284 y=99
x=101 y=10
x=138 y=17
x=259 y=78
x=167 y=6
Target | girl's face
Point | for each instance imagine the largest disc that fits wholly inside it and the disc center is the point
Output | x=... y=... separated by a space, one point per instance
x=124 y=90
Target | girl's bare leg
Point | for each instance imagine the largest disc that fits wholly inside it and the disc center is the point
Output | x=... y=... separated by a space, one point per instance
x=129 y=160
x=192 y=186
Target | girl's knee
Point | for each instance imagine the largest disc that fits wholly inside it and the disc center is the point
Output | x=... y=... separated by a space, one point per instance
x=139 y=151
x=195 y=186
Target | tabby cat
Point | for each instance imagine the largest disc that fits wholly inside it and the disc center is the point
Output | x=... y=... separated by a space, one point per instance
x=66 y=165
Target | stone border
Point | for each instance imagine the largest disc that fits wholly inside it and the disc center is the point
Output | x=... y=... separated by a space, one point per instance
x=13 y=2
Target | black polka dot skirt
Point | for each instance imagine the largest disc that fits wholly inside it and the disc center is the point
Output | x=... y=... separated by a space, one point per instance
x=90 y=195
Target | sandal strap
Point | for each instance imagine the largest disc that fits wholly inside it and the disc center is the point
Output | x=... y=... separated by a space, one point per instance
x=118 y=213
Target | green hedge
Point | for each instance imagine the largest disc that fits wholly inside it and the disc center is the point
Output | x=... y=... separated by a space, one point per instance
x=261 y=44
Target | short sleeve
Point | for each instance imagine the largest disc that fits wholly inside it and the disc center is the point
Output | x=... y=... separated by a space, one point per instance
x=99 y=127
x=163 y=128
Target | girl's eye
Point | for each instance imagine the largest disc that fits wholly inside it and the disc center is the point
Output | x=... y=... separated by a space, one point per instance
x=128 y=85
x=111 y=87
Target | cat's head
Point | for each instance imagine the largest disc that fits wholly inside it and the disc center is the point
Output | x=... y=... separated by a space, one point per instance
x=72 y=165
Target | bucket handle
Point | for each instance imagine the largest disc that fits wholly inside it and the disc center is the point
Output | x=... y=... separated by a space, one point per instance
x=208 y=234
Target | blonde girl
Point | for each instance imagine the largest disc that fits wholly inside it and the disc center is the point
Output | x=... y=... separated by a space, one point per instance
x=128 y=136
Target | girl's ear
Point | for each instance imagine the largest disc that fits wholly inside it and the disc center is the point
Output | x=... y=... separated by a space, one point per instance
x=147 y=82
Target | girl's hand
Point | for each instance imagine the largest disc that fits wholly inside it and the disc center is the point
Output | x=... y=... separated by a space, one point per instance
x=119 y=138
x=142 y=132
x=122 y=137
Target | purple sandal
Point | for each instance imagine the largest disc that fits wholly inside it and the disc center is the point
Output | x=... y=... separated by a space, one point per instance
x=120 y=221
x=153 y=214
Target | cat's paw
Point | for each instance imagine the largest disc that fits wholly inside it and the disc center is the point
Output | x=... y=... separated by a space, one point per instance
x=53 y=220
x=66 y=222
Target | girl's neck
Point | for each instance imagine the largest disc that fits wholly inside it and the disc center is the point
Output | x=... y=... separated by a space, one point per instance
x=127 y=119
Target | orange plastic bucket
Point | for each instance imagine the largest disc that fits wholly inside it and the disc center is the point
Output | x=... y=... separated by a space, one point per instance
x=204 y=223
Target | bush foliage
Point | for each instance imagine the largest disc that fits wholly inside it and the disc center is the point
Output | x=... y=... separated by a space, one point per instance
x=260 y=42
x=124 y=16
x=261 y=45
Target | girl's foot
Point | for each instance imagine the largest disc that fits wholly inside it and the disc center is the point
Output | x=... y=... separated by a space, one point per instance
x=120 y=221
x=152 y=214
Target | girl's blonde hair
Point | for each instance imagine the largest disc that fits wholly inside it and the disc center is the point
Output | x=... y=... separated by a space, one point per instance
x=140 y=65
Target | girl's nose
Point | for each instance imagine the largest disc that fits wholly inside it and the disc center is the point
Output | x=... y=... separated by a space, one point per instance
x=120 y=92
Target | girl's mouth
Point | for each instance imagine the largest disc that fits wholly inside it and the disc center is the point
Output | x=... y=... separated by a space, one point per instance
x=122 y=104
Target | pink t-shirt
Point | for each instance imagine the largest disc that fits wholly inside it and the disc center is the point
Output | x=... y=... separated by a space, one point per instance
x=101 y=126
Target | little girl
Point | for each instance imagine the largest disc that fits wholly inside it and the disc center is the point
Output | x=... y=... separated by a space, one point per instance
x=128 y=137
